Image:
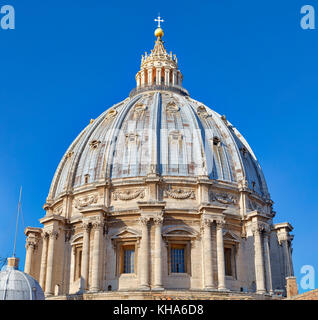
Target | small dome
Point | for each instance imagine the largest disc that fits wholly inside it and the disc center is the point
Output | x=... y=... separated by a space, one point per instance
x=17 y=285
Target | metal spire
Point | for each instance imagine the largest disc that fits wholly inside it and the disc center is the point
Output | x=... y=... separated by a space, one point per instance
x=17 y=223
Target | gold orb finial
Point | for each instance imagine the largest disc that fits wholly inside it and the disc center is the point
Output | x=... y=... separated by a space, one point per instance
x=159 y=33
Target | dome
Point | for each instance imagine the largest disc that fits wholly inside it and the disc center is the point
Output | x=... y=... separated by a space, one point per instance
x=158 y=129
x=17 y=285
x=159 y=193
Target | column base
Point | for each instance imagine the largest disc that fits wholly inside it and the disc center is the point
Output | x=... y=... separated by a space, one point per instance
x=49 y=294
x=158 y=289
x=144 y=288
x=261 y=291
x=210 y=289
x=223 y=290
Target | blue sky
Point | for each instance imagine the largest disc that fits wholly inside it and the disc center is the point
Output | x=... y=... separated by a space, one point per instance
x=68 y=61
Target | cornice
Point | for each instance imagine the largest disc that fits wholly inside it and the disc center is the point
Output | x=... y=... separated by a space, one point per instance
x=94 y=209
x=52 y=218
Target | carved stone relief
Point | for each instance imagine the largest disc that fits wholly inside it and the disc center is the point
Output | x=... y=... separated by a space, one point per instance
x=85 y=201
x=252 y=205
x=94 y=144
x=111 y=114
x=127 y=195
x=172 y=108
x=179 y=194
x=202 y=112
x=224 y=198
x=58 y=210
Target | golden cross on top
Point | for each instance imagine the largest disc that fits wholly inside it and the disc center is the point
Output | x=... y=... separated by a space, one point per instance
x=159 y=20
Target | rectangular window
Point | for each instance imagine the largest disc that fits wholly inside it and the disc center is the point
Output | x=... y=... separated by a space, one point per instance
x=78 y=263
x=228 y=261
x=128 y=265
x=177 y=258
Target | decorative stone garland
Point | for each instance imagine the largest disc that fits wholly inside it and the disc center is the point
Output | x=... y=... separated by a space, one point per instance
x=128 y=195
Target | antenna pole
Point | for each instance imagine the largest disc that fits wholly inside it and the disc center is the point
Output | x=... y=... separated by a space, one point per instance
x=16 y=227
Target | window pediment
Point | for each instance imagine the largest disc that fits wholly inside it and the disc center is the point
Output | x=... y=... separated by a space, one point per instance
x=230 y=236
x=179 y=232
x=126 y=233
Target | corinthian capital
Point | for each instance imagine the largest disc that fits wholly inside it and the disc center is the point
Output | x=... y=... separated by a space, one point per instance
x=206 y=222
x=259 y=227
x=144 y=221
x=44 y=236
x=86 y=225
x=53 y=234
x=158 y=220
x=97 y=224
x=220 y=224
x=30 y=243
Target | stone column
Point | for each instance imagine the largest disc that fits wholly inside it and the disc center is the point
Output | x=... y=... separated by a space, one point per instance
x=268 y=270
x=158 y=76
x=142 y=78
x=50 y=263
x=30 y=247
x=43 y=261
x=98 y=232
x=179 y=79
x=85 y=255
x=144 y=254
x=287 y=259
x=167 y=77
x=207 y=255
x=220 y=255
x=149 y=77
x=259 y=260
x=158 y=254
x=138 y=80
x=290 y=259
x=174 y=77
x=72 y=267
